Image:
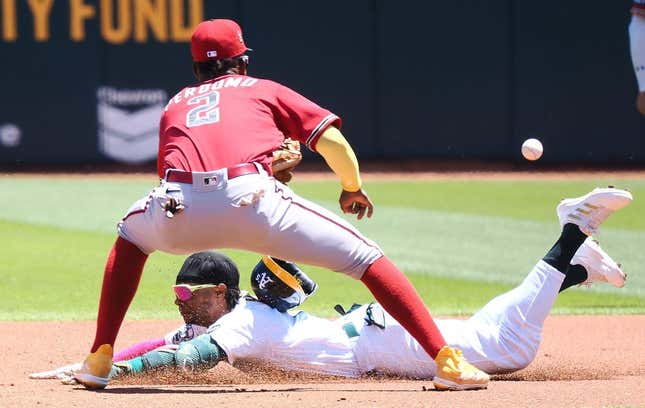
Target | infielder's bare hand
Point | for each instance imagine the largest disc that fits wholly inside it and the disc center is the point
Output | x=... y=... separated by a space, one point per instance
x=356 y=202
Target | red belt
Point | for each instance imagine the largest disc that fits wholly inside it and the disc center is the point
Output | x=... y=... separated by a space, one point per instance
x=179 y=176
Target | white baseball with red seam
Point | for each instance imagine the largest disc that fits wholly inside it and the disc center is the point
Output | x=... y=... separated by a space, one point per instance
x=532 y=149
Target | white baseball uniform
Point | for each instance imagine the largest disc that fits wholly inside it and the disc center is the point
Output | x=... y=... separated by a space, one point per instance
x=503 y=336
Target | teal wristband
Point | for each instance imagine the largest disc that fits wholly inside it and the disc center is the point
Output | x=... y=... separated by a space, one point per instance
x=136 y=365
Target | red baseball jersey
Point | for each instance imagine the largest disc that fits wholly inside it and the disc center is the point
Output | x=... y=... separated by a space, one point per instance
x=638 y=7
x=235 y=119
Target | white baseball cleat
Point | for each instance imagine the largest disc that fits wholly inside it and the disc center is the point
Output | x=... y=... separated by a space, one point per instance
x=600 y=267
x=592 y=209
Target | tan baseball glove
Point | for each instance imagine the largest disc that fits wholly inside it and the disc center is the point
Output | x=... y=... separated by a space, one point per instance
x=285 y=159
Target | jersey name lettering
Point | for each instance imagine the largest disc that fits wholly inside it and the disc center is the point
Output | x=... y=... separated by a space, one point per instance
x=239 y=82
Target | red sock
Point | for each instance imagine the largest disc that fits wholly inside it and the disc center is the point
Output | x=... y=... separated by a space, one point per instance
x=400 y=299
x=121 y=278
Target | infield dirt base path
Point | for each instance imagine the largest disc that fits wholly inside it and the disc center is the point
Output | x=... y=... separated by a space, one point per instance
x=584 y=361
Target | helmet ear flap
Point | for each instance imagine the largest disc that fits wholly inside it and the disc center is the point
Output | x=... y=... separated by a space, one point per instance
x=281 y=284
x=308 y=285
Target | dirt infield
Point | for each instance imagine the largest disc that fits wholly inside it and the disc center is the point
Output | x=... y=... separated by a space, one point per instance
x=584 y=361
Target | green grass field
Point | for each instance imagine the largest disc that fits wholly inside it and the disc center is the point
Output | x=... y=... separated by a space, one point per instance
x=461 y=243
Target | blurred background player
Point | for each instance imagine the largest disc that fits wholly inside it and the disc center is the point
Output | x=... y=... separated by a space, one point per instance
x=637 y=47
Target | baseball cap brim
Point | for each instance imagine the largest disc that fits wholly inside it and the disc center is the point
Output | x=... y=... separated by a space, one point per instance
x=247 y=50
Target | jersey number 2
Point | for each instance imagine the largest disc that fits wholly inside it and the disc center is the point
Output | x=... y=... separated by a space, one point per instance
x=206 y=112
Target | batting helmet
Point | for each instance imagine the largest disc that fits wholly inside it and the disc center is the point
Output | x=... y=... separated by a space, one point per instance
x=281 y=284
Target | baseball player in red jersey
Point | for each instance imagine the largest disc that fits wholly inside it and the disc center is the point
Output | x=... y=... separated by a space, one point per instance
x=216 y=140
x=637 y=48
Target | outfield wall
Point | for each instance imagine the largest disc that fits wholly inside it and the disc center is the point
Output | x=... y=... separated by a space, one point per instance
x=84 y=81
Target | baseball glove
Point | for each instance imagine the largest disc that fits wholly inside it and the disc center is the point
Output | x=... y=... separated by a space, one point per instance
x=285 y=159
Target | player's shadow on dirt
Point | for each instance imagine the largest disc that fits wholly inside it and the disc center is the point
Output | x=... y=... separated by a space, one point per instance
x=193 y=390
x=557 y=374
x=239 y=390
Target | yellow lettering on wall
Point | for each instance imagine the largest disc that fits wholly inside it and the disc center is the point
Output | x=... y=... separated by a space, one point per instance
x=147 y=14
x=119 y=32
x=78 y=13
x=9 y=20
x=181 y=31
x=41 y=9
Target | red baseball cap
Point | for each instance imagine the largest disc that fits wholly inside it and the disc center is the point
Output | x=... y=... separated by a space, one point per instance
x=217 y=39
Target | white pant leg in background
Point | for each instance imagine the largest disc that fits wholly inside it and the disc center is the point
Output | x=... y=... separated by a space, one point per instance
x=637 y=48
x=505 y=334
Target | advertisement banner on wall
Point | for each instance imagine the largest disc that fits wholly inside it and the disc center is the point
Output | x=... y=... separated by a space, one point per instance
x=128 y=122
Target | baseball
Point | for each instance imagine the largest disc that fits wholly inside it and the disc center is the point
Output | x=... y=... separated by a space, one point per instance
x=532 y=149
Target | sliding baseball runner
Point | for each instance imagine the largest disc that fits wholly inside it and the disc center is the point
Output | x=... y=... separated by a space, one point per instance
x=503 y=336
